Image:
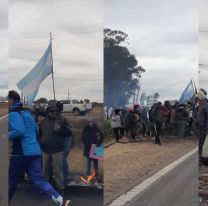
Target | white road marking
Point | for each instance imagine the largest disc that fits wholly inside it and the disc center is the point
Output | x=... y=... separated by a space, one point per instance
x=3 y=117
x=131 y=194
x=3 y=136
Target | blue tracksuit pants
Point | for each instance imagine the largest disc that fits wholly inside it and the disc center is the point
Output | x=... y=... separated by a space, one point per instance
x=32 y=166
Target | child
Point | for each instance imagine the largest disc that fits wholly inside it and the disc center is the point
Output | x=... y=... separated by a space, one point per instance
x=91 y=135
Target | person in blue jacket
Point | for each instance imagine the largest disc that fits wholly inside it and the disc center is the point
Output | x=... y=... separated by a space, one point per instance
x=26 y=153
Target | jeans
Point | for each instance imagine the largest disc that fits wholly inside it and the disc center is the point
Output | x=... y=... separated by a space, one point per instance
x=158 y=127
x=95 y=164
x=32 y=166
x=117 y=133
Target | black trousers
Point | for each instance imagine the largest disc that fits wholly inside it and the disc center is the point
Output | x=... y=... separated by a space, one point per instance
x=122 y=130
x=202 y=137
x=144 y=129
x=117 y=133
x=158 y=127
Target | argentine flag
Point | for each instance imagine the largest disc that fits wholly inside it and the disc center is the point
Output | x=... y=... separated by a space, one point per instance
x=30 y=84
x=188 y=93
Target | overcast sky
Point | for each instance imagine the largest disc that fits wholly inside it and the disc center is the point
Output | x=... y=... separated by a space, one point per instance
x=4 y=47
x=203 y=44
x=77 y=27
x=163 y=35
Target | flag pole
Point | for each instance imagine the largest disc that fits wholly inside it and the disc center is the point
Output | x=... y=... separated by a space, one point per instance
x=194 y=85
x=52 y=74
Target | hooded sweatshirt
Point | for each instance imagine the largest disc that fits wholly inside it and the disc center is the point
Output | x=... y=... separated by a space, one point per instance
x=22 y=131
x=52 y=140
x=91 y=135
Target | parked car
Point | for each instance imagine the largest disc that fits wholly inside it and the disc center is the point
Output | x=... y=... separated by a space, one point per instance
x=74 y=107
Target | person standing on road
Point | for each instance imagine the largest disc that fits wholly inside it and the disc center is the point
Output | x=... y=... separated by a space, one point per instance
x=116 y=125
x=68 y=146
x=91 y=135
x=156 y=116
x=131 y=123
x=203 y=121
x=181 y=120
x=53 y=131
x=166 y=114
x=26 y=153
x=189 y=110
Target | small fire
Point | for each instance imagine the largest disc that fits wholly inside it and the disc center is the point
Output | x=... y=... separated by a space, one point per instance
x=89 y=178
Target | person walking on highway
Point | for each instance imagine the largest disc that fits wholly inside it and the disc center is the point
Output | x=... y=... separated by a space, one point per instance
x=26 y=152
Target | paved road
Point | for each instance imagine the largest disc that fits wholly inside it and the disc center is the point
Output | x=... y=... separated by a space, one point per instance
x=3 y=162
x=178 y=187
x=79 y=196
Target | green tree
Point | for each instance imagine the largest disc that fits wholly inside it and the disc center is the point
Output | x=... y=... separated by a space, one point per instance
x=121 y=69
x=41 y=100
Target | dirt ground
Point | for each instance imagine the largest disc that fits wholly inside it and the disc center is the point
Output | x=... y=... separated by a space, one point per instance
x=3 y=109
x=203 y=185
x=126 y=165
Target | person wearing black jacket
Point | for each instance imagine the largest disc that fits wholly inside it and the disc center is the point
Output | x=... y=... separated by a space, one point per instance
x=203 y=125
x=157 y=118
x=52 y=132
x=91 y=135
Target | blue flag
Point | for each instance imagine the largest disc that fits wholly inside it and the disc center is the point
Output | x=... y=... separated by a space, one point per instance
x=30 y=84
x=188 y=93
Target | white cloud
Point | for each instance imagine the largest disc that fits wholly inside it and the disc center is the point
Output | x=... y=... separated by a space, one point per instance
x=164 y=37
x=77 y=27
x=4 y=47
x=203 y=44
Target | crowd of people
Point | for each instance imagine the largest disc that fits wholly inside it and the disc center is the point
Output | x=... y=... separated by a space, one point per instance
x=179 y=120
x=41 y=140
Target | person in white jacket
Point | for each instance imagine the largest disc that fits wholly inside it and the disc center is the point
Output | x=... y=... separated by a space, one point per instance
x=116 y=124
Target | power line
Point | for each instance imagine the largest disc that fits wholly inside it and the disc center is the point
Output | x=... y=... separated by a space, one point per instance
x=58 y=35
x=44 y=42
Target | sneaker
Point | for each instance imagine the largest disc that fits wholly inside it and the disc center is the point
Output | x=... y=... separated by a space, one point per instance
x=67 y=203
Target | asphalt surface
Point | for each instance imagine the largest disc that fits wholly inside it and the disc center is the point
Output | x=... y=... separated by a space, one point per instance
x=3 y=162
x=80 y=196
x=178 y=187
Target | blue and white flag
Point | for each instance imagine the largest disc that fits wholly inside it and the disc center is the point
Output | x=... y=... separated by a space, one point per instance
x=30 y=84
x=188 y=93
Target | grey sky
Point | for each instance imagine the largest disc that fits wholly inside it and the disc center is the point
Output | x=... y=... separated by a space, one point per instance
x=163 y=36
x=77 y=27
x=4 y=47
x=203 y=44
